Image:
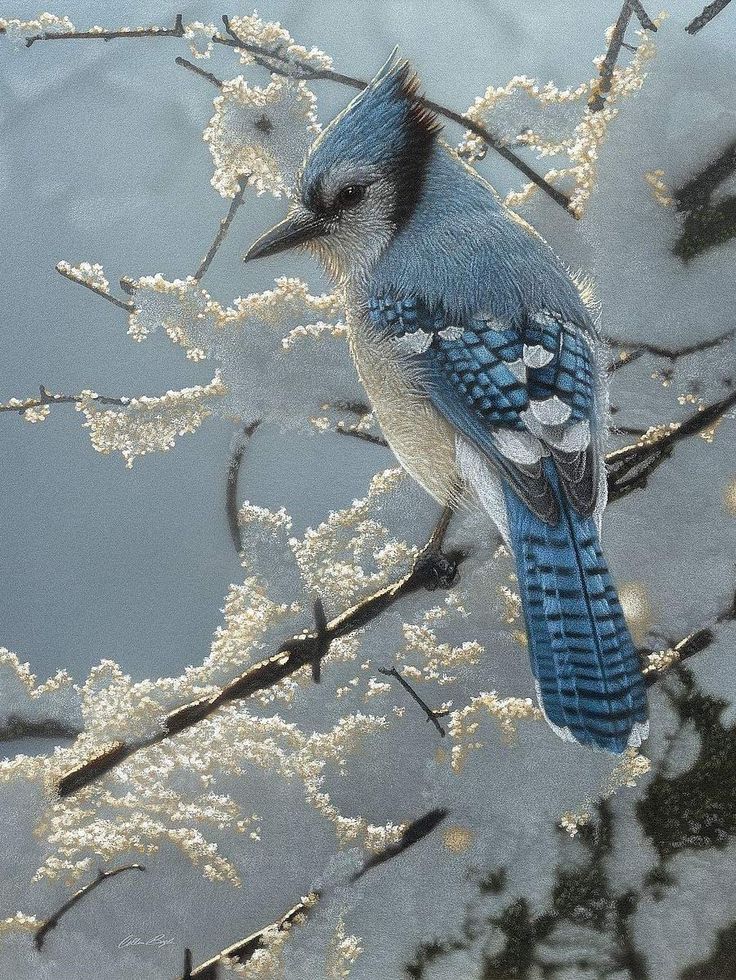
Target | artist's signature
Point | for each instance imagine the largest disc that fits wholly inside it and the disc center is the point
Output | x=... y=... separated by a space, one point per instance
x=139 y=941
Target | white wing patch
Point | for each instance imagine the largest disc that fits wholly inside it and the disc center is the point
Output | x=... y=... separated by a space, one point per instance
x=568 y=439
x=451 y=333
x=535 y=356
x=564 y=733
x=414 y=343
x=518 y=369
x=519 y=447
x=551 y=411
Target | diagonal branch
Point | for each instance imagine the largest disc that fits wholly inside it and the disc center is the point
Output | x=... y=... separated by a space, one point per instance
x=190 y=66
x=432 y=714
x=52 y=922
x=243 y=950
x=608 y=65
x=630 y=468
x=706 y=16
x=223 y=229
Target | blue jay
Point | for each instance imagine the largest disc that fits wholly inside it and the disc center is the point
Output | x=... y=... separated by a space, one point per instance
x=485 y=371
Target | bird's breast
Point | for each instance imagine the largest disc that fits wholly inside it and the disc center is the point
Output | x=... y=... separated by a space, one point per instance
x=420 y=438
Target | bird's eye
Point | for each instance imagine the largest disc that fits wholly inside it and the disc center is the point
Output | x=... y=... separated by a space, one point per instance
x=351 y=195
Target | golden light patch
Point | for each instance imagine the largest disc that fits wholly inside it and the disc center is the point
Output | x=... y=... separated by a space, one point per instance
x=441 y=756
x=729 y=496
x=637 y=607
x=457 y=839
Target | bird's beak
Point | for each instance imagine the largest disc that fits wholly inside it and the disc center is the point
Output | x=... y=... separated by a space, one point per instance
x=297 y=229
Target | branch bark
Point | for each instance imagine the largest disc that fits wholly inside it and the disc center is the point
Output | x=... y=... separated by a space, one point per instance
x=124 y=33
x=706 y=16
x=630 y=7
x=231 y=487
x=243 y=949
x=47 y=398
x=431 y=713
x=222 y=230
x=51 y=923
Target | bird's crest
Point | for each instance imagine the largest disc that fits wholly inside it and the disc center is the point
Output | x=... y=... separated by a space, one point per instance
x=386 y=126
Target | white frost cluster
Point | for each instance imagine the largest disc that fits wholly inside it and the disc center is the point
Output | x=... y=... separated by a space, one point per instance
x=578 y=145
x=150 y=423
x=271 y=36
x=260 y=135
x=43 y=24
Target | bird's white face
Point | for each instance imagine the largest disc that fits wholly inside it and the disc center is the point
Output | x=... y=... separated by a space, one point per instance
x=356 y=206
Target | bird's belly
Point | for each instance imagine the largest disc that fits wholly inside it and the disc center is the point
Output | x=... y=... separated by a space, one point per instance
x=420 y=438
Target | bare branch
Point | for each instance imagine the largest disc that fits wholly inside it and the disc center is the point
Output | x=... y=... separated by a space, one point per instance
x=344 y=430
x=213 y=79
x=707 y=15
x=633 y=350
x=598 y=99
x=223 y=229
x=231 y=487
x=431 y=713
x=124 y=33
x=243 y=949
x=46 y=398
x=51 y=923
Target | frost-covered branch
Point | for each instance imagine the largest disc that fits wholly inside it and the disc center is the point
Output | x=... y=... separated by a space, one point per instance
x=92 y=278
x=629 y=468
x=706 y=16
x=630 y=7
x=53 y=921
x=97 y=33
x=242 y=950
x=430 y=569
x=37 y=408
x=276 y=62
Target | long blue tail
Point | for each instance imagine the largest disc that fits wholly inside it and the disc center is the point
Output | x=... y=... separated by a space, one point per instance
x=589 y=679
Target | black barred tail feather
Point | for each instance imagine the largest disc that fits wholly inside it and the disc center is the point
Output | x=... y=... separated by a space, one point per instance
x=588 y=674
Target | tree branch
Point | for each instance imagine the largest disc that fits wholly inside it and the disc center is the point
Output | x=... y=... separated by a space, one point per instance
x=431 y=569
x=598 y=99
x=431 y=713
x=231 y=487
x=124 y=33
x=415 y=832
x=17 y=728
x=243 y=949
x=629 y=470
x=46 y=398
x=52 y=922
x=707 y=15
x=69 y=274
x=222 y=230
x=213 y=79
x=672 y=354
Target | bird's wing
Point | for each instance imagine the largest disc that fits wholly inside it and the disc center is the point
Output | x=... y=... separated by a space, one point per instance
x=519 y=394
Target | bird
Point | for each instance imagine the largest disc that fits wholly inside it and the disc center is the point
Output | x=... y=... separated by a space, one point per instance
x=482 y=358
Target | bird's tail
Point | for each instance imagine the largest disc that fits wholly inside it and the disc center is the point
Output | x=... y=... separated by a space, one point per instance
x=588 y=675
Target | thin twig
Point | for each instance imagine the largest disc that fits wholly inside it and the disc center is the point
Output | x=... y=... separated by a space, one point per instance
x=46 y=398
x=343 y=430
x=598 y=99
x=241 y=951
x=222 y=229
x=68 y=274
x=124 y=33
x=231 y=487
x=213 y=79
x=52 y=922
x=670 y=353
x=431 y=713
x=707 y=15
x=430 y=569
